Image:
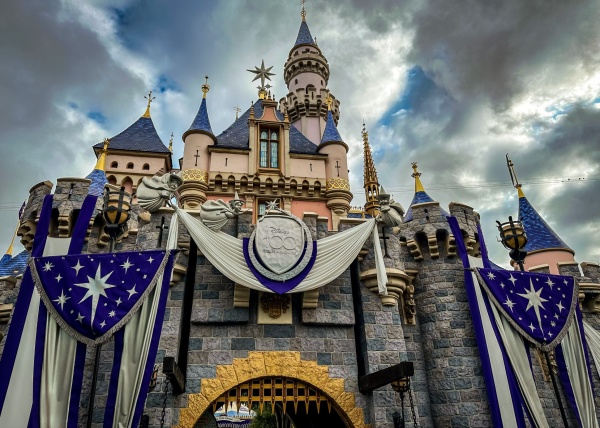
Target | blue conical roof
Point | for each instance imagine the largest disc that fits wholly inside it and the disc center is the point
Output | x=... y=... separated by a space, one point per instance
x=139 y=137
x=331 y=133
x=201 y=122
x=15 y=266
x=304 y=37
x=540 y=236
x=419 y=198
x=99 y=180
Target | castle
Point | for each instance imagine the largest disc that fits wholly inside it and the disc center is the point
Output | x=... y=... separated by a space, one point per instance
x=302 y=353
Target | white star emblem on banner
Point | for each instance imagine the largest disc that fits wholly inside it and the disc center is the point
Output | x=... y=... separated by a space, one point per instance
x=95 y=288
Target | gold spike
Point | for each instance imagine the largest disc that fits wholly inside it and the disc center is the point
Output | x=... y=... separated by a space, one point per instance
x=416 y=174
x=171 y=143
x=303 y=13
x=150 y=98
x=329 y=102
x=9 y=251
x=371 y=182
x=205 y=87
x=513 y=177
x=101 y=163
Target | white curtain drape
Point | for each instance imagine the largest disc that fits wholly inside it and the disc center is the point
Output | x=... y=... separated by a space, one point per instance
x=573 y=352
x=136 y=344
x=593 y=340
x=334 y=254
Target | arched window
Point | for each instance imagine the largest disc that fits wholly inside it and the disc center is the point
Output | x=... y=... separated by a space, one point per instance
x=130 y=165
x=269 y=149
x=146 y=167
x=114 y=164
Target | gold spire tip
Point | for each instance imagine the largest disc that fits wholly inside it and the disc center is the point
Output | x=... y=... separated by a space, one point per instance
x=329 y=102
x=101 y=163
x=9 y=250
x=150 y=98
x=205 y=87
x=416 y=175
x=513 y=176
x=303 y=13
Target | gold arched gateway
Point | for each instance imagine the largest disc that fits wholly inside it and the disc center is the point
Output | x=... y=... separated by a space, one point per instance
x=275 y=367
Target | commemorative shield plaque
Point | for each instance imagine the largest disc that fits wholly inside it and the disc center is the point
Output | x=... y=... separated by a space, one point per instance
x=280 y=247
x=279 y=242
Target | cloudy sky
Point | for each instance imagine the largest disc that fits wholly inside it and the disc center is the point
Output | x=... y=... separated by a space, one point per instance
x=452 y=85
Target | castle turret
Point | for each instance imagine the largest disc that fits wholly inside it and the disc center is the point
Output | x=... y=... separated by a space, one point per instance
x=336 y=169
x=370 y=180
x=135 y=153
x=195 y=164
x=544 y=246
x=420 y=197
x=306 y=74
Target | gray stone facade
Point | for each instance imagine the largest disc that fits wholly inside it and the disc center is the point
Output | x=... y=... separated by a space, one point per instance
x=348 y=330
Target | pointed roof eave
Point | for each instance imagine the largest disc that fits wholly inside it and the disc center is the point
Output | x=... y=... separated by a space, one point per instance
x=540 y=236
x=201 y=123
x=304 y=36
x=331 y=134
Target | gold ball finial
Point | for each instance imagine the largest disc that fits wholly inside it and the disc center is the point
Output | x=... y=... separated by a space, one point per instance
x=205 y=87
x=150 y=98
x=303 y=13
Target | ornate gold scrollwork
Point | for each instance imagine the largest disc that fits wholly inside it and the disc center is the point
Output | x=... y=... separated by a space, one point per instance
x=338 y=184
x=195 y=175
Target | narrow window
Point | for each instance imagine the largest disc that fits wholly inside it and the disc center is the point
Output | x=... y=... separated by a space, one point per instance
x=269 y=149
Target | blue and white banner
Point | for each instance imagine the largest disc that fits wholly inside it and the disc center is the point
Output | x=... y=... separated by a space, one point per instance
x=69 y=301
x=539 y=306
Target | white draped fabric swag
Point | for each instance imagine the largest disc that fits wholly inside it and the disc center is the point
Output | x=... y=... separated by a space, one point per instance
x=334 y=254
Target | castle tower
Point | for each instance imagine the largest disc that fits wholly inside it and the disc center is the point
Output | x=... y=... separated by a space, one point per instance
x=336 y=169
x=420 y=197
x=544 y=246
x=135 y=153
x=196 y=158
x=306 y=74
x=370 y=180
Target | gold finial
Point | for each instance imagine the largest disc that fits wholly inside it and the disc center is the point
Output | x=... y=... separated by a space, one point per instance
x=416 y=174
x=205 y=87
x=513 y=177
x=370 y=182
x=101 y=163
x=303 y=13
x=150 y=98
x=263 y=74
x=329 y=102
x=9 y=251
x=237 y=111
x=171 y=143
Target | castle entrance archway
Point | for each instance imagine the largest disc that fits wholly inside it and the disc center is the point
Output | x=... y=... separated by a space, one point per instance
x=284 y=402
x=300 y=392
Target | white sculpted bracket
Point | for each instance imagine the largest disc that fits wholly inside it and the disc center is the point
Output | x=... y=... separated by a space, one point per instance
x=216 y=214
x=279 y=241
x=154 y=192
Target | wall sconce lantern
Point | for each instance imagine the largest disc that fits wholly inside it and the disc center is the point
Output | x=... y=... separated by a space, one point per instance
x=513 y=237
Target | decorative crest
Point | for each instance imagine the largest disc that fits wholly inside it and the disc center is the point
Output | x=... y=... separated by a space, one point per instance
x=205 y=87
x=263 y=74
x=150 y=98
x=303 y=13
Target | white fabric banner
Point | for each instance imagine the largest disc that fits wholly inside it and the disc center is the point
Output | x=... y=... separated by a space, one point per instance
x=573 y=352
x=334 y=254
x=137 y=337
x=593 y=340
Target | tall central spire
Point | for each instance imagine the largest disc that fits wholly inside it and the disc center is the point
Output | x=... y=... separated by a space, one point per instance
x=370 y=182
